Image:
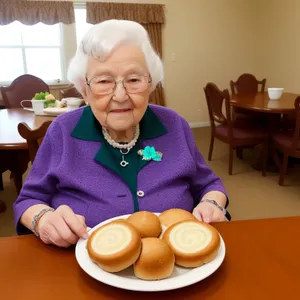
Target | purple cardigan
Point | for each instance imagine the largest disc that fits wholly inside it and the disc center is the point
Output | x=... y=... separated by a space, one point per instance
x=65 y=171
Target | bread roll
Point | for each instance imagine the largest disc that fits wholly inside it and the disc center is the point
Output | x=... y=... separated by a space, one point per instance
x=175 y=215
x=114 y=246
x=147 y=223
x=156 y=261
x=194 y=243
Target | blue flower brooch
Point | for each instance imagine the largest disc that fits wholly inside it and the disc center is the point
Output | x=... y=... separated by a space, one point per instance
x=149 y=153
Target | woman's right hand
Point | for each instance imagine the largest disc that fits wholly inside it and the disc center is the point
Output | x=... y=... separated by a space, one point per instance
x=62 y=227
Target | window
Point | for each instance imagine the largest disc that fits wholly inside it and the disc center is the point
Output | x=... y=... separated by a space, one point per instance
x=81 y=25
x=36 y=50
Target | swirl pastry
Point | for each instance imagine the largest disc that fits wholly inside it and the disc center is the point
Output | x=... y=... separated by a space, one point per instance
x=194 y=243
x=156 y=260
x=114 y=246
x=146 y=223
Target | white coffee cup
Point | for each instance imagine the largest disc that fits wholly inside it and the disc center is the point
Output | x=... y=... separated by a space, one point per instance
x=72 y=103
x=37 y=105
x=275 y=93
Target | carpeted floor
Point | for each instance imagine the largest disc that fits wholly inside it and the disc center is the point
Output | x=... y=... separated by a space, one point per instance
x=251 y=195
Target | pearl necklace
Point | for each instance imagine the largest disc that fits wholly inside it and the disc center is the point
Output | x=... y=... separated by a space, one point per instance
x=127 y=147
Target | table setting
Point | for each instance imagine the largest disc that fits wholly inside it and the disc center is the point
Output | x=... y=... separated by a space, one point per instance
x=45 y=104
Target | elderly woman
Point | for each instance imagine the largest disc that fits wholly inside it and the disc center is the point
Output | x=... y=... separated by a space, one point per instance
x=118 y=154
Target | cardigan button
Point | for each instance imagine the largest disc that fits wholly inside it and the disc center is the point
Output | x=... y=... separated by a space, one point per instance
x=140 y=193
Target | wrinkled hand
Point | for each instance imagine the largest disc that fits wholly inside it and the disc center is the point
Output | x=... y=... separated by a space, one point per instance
x=62 y=227
x=208 y=213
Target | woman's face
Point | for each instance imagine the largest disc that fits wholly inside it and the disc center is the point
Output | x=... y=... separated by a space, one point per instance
x=119 y=110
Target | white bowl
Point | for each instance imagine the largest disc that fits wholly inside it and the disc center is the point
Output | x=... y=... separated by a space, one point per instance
x=72 y=101
x=275 y=93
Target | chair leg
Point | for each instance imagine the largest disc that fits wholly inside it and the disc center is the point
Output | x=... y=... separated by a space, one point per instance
x=275 y=157
x=265 y=157
x=211 y=147
x=2 y=207
x=239 y=153
x=230 y=160
x=283 y=168
x=1 y=183
x=17 y=177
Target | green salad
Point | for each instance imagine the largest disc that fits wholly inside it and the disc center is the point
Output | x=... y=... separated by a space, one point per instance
x=49 y=99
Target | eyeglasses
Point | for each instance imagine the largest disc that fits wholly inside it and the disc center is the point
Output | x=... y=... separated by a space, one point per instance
x=104 y=85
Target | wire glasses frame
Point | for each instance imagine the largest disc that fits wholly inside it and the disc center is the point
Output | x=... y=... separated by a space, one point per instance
x=104 y=85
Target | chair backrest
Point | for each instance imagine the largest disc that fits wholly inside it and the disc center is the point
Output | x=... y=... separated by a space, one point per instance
x=33 y=137
x=70 y=92
x=247 y=84
x=215 y=99
x=22 y=88
x=297 y=127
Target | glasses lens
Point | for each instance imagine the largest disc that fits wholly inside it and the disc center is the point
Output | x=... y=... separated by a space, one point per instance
x=136 y=83
x=102 y=85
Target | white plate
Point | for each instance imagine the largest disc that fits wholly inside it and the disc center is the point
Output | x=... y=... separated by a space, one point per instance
x=54 y=111
x=181 y=277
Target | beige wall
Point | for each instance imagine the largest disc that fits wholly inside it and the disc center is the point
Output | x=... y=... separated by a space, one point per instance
x=279 y=43
x=211 y=40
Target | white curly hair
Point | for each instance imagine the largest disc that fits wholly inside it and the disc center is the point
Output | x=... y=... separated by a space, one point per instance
x=102 y=38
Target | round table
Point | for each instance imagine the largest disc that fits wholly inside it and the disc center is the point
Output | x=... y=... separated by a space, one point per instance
x=13 y=144
x=262 y=103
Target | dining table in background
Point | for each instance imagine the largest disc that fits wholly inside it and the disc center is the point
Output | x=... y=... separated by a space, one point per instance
x=261 y=102
x=261 y=262
x=12 y=143
x=273 y=109
x=10 y=138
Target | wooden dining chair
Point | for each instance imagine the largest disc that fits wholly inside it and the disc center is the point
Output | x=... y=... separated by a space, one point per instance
x=22 y=88
x=33 y=137
x=247 y=84
x=287 y=142
x=288 y=121
x=226 y=131
x=15 y=161
x=70 y=92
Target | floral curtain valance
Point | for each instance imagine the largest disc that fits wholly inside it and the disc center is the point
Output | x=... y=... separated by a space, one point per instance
x=141 y=13
x=32 y=12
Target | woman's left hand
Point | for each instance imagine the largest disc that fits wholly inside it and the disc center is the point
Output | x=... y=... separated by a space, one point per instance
x=208 y=213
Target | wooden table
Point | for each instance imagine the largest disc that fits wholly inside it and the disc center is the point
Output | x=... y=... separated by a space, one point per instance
x=273 y=110
x=262 y=103
x=9 y=120
x=262 y=262
x=14 y=145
